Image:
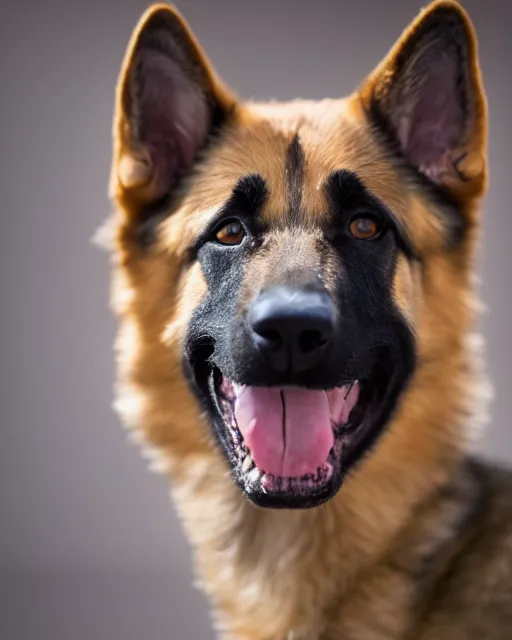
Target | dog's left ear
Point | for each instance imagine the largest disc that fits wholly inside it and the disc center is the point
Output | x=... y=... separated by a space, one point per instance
x=427 y=97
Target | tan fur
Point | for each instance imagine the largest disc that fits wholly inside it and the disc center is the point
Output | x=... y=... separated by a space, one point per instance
x=352 y=568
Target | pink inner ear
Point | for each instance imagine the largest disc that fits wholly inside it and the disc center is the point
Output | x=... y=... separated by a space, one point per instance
x=170 y=114
x=432 y=126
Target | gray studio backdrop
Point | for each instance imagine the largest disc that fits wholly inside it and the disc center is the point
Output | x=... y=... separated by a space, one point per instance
x=90 y=548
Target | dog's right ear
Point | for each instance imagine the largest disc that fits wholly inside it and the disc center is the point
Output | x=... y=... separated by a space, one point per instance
x=168 y=102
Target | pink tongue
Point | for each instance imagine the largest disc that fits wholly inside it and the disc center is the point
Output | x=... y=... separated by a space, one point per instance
x=289 y=430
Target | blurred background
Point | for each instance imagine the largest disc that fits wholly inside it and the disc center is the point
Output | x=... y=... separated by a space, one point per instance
x=90 y=547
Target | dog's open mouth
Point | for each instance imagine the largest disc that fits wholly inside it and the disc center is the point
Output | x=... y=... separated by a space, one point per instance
x=291 y=446
x=286 y=438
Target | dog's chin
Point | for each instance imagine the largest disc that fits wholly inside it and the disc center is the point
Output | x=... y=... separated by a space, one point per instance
x=368 y=404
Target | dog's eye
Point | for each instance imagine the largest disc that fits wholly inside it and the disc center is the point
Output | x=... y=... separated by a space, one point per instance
x=364 y=228
x=231 y=233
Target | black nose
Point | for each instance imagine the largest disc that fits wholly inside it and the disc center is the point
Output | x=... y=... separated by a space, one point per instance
x=293 y=327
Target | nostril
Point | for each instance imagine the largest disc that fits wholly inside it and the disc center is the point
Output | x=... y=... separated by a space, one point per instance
x=312 y=340
x=269 y=338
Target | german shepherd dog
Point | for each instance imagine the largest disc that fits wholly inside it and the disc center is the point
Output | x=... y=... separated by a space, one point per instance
x=296 y=298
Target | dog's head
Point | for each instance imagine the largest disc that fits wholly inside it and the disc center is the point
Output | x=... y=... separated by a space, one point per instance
x=286 y=270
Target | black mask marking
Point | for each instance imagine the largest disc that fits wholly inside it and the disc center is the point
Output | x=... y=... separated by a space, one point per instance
x=294 y=178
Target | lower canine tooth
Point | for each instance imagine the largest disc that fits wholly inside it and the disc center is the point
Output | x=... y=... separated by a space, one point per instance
x=247 y=464
x=254 y=476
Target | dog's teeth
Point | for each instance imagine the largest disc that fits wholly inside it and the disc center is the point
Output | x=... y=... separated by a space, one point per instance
x=247 y=464
x=268 y=482
x=237 y=388
x=255 y=476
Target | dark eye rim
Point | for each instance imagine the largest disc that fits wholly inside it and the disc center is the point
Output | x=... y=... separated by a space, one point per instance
x=382 y=227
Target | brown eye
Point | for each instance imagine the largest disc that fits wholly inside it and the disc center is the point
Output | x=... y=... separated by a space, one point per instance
x=364 y=228
x=231 y=233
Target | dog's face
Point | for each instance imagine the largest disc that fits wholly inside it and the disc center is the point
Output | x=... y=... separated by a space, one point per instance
x=274 y=261
x=298 y=350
